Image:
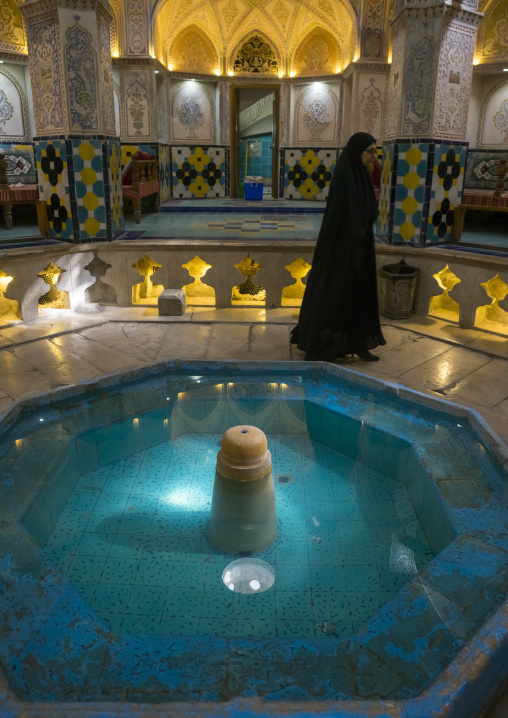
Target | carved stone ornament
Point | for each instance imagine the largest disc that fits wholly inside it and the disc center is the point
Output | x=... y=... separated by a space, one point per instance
x=256 y=56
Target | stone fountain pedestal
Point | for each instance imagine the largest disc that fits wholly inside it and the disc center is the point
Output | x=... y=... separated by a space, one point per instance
x=243 y=520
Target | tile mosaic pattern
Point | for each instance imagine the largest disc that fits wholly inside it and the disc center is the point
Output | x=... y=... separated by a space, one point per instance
x=89 y=188
x=446 y=191
x=215 y=226
x=421 y=184
x=21 y=164
x=306 y=174
x=53 y=179
x=410 y=192
x=199 y=172
x=164 y=173
x=385 y=218
x=114 y=208
x=132 y=539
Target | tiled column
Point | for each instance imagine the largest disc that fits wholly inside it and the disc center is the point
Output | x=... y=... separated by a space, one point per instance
x=78 y=155
x=427 y=102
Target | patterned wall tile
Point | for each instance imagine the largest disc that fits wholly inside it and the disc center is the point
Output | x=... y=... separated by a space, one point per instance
x=446 y=191
x=306 y=173
x=410 y=193
x=53 y=180
x=388 y=179
x=198 y=172
x=89 y=186
x=164 y=173
x=114 y=206
x=481 y=169
x=21 y=166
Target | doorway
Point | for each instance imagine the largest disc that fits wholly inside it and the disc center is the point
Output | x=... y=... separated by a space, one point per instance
x=255 y=137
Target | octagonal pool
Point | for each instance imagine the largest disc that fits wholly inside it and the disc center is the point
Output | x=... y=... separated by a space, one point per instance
x=388 y=572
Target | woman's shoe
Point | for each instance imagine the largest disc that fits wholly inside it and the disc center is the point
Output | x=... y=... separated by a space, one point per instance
x=367 y=356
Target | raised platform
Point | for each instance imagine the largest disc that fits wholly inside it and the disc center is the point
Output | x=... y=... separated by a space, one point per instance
x=280 y=206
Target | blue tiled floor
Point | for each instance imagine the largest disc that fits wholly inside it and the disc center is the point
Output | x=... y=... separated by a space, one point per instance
x=132 y=538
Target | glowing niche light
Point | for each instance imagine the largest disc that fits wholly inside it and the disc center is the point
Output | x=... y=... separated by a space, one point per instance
x=248 y=575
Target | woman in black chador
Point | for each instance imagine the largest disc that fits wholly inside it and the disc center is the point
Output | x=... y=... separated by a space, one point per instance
x=339 y=313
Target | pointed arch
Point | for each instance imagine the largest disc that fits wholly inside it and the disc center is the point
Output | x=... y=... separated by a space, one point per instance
x=257 y=54
x=193 y=51
x=12 y=29
x=317 y=54
x=492 y=39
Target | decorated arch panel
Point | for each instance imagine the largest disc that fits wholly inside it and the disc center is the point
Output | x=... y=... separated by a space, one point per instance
x=317 y=54
x=192 y=51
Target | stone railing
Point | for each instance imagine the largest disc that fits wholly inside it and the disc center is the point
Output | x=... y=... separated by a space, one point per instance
x=467 y=289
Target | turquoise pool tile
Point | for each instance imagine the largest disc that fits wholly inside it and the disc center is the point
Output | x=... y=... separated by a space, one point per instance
x=119 y=484
x=321 y=510
x=151 y=572
x=292 y=552
x=135 y=523
x=136 y=625
x=289 y=510
x=112 y=621
x=86 y=568
x=326 y=531
x=85 y=589
x=95 y=544
x=127 y=467
x=323 y=552
x=372 y=447
x=120 y=570
x=154 y=430
x=395 y=458
x=182 y=602
x=293 y=578
x=175 y=625
x=349 y=444
x=63 y=542
x=132 y=437
x=354 y=530
x=129 y=546
x=185 y=575
x=93 y=479
x=109 y=444
x=330 y=606
x=110 y=598
x=327 y=578
x=358 y=553
x=333 y=629
x=111 y=502
x=293 y=530
x=293 y=605
x=364 y=604
x=303 y=629
x=220 y=626
x=147 y=600
x=362 y=578
x=86 y=448
x=103 y=522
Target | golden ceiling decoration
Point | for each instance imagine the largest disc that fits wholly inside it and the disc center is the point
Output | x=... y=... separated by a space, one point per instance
x=256 y=56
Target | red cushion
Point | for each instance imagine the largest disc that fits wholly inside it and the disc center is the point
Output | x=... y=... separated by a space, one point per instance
x=127 y=171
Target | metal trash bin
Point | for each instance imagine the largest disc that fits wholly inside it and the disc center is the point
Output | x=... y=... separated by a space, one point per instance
x=397 y=289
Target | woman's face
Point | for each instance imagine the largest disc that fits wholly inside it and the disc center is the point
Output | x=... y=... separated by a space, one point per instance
x=368 y=156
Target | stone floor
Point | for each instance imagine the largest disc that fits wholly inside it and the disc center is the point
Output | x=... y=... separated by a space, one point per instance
x=63 y=347
x=464 y=366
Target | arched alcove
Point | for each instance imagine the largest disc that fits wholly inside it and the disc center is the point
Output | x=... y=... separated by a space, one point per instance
x=492 y=41
x=14 y=121
x=493 y=125
x=255 y=54
x=193 y=51
x=317 y=54
x=12 y=31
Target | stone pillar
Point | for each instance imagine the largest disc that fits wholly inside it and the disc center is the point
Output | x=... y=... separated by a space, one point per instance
x=78 y=155
x=428 y=98
x=366 y=85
